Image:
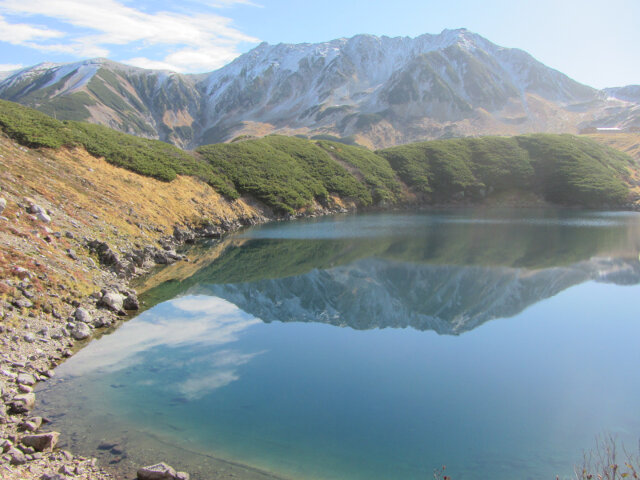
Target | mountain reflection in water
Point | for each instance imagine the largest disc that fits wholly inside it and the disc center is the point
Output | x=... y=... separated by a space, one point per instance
x=449 y=272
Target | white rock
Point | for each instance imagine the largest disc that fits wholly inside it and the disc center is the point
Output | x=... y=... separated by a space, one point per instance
x=113 y=300
x=81 y=331
x=43 y=217
x=82 y=315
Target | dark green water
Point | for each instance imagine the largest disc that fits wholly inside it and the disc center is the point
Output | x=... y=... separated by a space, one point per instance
x=378 y=347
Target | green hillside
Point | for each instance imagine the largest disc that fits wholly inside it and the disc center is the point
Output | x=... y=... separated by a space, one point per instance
x=290 y=173
x=562 y=169
x=152 y=158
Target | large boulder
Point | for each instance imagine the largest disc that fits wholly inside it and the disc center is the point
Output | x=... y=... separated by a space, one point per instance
x=43 y=442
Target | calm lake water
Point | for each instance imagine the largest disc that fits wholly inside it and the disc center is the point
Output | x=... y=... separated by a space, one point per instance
x=498 y=343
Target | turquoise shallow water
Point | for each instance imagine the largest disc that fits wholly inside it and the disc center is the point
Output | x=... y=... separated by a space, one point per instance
x=379 y=347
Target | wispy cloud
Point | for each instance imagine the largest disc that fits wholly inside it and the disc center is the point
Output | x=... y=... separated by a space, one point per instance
x=7 y=67
x=194 y=41
x=22 y=33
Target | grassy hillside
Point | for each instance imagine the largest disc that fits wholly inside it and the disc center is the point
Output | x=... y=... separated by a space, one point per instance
x=563 y=169
x=151 y=158
x=290 y=174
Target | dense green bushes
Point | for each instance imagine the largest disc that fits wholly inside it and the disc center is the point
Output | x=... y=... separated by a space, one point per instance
x=152 y=158
x=291 y=173
x=371 y=169
x=563 y=169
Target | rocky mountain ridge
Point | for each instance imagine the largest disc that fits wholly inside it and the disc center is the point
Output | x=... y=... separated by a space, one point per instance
x=382 y=91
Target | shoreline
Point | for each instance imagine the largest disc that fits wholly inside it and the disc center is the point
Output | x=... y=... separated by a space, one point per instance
x=73 y=240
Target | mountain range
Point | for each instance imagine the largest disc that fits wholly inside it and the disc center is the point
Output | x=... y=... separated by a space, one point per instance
x=379 y=91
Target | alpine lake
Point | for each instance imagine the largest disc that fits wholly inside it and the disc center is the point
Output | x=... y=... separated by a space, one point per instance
x=500 y=343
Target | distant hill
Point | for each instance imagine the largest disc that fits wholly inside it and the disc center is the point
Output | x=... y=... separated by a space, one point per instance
x=379 y=91
x=292 y=175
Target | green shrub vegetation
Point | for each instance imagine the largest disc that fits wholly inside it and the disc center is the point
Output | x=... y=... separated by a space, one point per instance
x=372 y=169
x=286 y=173
x=563 y=169
x=291 y=173
x=147 y=157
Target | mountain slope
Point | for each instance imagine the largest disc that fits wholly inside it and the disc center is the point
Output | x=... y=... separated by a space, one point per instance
x=384 y=91
x=292 y=175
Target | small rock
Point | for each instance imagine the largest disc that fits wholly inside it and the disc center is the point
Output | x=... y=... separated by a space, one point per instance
x=81 y=331
x=43 y=217
x=67 y=470
x=105 y=445
x=44 y=442
x=23 y=403
x=131 y=302
x=25 y=389
x=161 y=471
x=82 y=315
x=29 y=338
x=22 y=303
x=17 y=457
x=26 y=379
x=113 y=301
x=32 y=424
x=35 y=208
x=3 y=204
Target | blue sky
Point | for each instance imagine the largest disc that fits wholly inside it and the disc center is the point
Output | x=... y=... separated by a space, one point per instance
x=594 y=42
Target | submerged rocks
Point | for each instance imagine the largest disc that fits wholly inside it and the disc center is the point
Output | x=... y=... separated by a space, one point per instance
x=43 y=442
x=161 y=471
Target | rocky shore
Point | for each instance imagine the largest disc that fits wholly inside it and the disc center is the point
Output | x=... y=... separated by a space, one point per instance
x=71 y=240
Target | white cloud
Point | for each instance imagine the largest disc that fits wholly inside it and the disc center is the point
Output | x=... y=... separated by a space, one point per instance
x=20 y=33
x=197 y=387
x=7 y=67
x=205 y=321
x=197 y=42
x=223 y=366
